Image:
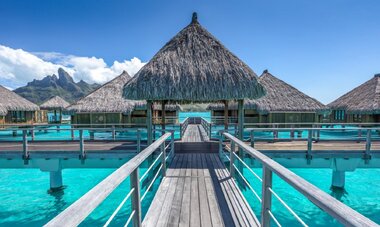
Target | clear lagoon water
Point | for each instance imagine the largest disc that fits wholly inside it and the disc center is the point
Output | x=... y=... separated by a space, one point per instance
x=25 y=200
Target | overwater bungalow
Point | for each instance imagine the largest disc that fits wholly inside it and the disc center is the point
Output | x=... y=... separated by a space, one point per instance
x=55 y=105
x=16 y=109
x=106 y=105
x=282 y=103
x=193 y=67
x=360 y=105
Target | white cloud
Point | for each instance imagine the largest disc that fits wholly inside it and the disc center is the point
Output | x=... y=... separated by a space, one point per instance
x=17 y=67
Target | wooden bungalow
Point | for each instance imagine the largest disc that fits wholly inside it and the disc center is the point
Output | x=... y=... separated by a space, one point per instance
x=106 y=106
x=282 y=104
x=360 y=105
x=193 y=67
x=55 y=105
x=15 y=109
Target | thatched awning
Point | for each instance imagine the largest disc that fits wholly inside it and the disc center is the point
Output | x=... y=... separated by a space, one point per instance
x=364 y=99
x=194 y=67
x=55 y=103
x=280 y=97
x=10 y=101
x=106 y=99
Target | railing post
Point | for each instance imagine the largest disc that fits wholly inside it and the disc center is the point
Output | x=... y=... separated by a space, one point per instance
x=138 y=140
x=368 y=145
x=232 y=159
x=72 y=133
x=266 y=197
x=25 y=151
x=136 y=204
x=309 y=143
x=113 y=132
x=180 y=131
x=162 y=148
x=220 y=144
x=209 y=136
x=172 y=144
x=292 y=132
x=32 y=133
x=359 y=133
x=252 y=138
x=81 y=145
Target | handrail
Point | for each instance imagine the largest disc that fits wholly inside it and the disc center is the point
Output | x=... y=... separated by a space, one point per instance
x=335 y=208
x=183 y=127
x=207 y=127
x=79 y=210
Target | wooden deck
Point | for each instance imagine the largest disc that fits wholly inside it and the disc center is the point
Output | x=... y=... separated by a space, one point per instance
x=197 y=191
x=195 y=133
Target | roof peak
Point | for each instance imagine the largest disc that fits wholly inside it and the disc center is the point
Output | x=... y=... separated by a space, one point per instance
x=377 y=75
x=194 y=19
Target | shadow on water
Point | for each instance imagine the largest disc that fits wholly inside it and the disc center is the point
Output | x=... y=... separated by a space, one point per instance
x=58 y=194
x=338 y=193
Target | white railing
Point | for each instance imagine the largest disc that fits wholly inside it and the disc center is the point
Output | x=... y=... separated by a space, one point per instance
x=83 y=207
x=207 y=126
x=327 y=203
x=183 y=127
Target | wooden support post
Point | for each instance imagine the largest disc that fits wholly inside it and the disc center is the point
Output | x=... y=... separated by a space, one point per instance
x=266 y=203
x=25 y=151
x=32 y=133
x=172 y=144
x=252 y=138
x=138 y=140
x=368 y=145
x=113 y=132
x=81 y=145
x=72 y=132
x=149 y=121
x=225 y=114
x=163 y=160
x=180 y=131
x=232 y=159
x=292 y=132
x=359 y=133
x=221 y=144
x=163 y=117
x=318 y=132
x=309 y=143
x=136 y=204
x=241 y=119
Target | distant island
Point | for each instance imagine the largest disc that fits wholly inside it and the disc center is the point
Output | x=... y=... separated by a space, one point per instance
x=63 y=85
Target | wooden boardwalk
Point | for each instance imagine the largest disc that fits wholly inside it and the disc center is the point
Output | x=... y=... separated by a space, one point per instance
x=197 y=191
x=195 y=133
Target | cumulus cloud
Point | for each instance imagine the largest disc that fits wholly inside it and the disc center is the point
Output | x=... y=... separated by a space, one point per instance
x=17 y=67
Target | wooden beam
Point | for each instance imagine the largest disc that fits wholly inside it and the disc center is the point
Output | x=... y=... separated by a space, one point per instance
x=240 y=118
x=149 y=121
x=163 y=115
x=226 y=114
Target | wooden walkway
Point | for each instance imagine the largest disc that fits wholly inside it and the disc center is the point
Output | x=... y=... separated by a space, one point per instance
x=195 y=133
x=197 y=191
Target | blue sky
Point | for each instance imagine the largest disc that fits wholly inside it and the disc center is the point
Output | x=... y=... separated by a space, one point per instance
x=323 y=48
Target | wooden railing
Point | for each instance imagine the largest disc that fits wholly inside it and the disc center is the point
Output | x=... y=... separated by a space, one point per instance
x=207 y=126
x=327 y=203
x=183 y=127
x=83 y=207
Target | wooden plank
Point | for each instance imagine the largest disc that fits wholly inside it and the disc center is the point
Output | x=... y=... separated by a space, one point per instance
x=203 y=198
x=184 y=219
x=154 y=210
x=215 y=211
x=194 y=195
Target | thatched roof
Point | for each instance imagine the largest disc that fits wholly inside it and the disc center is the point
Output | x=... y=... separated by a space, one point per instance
x=194 y=66
x=10 y=101
x=280 y=97
x=364 y=99
x=55 y=103
x=108 y=99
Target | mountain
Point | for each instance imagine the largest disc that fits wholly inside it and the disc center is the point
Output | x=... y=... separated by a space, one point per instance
x=63 y=85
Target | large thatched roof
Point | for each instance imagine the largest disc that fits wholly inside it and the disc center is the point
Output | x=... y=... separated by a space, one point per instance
x=108 y=99
x=10 y=101
x=364 y=99
x=194 y=66
x=280 y=97
x=55 y=103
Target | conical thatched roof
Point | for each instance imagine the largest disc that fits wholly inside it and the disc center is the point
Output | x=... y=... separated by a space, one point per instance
x=364 y=99
x=108 y=99
x=280 y=97
x=55 y=103
x=10 y=101
x=194 y=66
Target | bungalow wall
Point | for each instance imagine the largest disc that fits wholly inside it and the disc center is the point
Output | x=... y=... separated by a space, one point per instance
x=340 y=116
x=2 y=119
x=170 y=115
x=22 y=117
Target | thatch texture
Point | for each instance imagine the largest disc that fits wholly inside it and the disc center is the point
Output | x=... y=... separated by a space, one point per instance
x=364 y=99
x=10 y=101
x=280 y=97
x=55 y=103
x=194 y=66
x=106 y=99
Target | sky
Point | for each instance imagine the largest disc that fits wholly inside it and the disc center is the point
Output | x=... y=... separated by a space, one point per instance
x=323 y=48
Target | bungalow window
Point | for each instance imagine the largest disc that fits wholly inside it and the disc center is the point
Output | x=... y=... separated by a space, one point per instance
x=357 y=118
x=339 y=115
